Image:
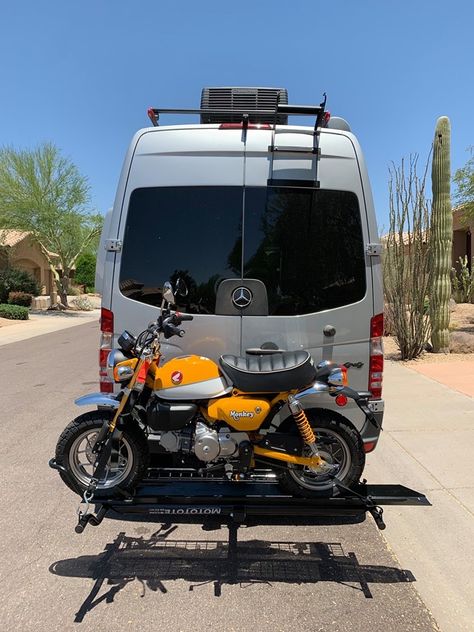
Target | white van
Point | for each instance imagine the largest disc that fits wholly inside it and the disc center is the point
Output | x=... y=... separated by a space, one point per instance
x=272 y=227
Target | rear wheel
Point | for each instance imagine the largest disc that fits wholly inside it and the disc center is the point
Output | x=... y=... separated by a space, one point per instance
x=339 y=444
x=74 y=453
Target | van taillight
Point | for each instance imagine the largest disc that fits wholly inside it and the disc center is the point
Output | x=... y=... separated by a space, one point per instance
x=105 y=347
x=376 y=356
x=106 y=321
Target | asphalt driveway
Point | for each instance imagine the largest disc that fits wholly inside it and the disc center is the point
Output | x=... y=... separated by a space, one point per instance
x=150 y=576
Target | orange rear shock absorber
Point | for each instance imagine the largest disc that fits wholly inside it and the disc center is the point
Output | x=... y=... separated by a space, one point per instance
x=321 y=466
x=303 y=424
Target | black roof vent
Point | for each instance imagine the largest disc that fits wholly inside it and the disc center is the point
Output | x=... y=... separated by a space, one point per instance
x=259 y=103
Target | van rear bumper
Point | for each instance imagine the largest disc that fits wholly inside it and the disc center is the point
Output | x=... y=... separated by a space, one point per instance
x=369 y=434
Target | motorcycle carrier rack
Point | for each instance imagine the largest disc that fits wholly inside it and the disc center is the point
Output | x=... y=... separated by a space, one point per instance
x=163 y=496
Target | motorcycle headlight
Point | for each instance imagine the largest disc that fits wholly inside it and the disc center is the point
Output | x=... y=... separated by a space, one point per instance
x=119 y=367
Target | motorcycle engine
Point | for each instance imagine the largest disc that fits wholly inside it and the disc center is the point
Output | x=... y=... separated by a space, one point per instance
x=207 y=443
x=210 y=444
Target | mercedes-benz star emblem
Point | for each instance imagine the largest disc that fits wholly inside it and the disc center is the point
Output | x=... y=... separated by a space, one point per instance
x=242 y=297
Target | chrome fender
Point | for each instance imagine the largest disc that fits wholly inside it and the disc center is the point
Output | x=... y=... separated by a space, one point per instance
x=97 y=399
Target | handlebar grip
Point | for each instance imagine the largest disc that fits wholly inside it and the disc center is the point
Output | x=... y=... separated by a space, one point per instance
x=186 y=317
x=172 y=330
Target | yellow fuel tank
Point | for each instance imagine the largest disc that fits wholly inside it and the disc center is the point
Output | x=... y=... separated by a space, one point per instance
x=240 y=412
x=187 y=377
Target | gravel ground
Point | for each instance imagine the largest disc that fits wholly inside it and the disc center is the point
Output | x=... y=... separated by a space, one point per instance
x=462 y=319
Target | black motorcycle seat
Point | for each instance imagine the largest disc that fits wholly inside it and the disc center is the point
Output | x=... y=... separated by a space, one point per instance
x=269 y=373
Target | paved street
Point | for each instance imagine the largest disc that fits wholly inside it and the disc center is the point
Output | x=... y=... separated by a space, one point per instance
x=150 y=576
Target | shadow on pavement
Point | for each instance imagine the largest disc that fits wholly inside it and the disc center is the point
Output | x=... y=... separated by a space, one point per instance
x=157 y=559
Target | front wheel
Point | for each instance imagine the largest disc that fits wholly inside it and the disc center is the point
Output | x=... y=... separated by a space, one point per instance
x=74 y=453
x=339 y=444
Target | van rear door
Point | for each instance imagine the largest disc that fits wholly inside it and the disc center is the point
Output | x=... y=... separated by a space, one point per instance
x=307 y=244
x=181 y=217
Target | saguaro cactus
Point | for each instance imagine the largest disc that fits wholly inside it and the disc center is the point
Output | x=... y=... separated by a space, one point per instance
x=441 y=237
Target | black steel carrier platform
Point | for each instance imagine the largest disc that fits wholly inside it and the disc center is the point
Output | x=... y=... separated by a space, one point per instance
x=166 y=497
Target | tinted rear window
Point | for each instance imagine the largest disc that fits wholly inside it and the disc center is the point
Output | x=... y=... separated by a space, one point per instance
x=304 y=244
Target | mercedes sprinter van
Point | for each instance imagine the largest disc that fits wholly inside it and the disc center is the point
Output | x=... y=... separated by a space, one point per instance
x=272 y=227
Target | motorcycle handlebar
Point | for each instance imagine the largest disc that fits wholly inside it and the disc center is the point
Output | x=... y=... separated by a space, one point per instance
x=169 y=325
x=185 y=317
x=171 y=330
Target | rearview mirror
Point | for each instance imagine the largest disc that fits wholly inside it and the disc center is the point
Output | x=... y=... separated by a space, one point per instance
x=168 y=292
x=181 y=288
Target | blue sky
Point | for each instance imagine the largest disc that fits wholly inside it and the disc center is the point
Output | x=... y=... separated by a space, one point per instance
x=82 y=74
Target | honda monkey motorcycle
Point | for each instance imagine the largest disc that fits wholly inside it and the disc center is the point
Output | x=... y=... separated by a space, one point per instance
x=216 y=420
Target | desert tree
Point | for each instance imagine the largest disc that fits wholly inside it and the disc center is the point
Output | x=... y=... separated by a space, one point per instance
x=42 y=192
x=406 y=258
x=464 y=182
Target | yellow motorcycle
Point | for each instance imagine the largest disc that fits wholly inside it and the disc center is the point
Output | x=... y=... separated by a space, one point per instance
x=229 y=420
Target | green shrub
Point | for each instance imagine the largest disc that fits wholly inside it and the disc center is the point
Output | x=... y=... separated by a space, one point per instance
x=15 y=280
x=74 y=290
x=13 y=312
x=85 y=270
x=20 y=298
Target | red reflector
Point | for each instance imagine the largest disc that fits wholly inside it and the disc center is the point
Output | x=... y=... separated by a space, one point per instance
x=341 y=400
x=152 y=116
x=326 y=118
x=106 y=387
x=106 y=321
x=369 y=446
x=376 y=326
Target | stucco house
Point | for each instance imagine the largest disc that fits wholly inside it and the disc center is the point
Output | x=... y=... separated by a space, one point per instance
x=463 y=237
x=18 y=249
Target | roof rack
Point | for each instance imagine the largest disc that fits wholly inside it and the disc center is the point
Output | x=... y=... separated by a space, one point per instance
x=248 y=116
x=322 y=117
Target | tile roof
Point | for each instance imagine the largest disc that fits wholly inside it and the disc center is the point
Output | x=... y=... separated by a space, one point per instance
x=11 y=236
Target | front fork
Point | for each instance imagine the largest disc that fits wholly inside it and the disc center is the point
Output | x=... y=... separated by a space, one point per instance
x=108 y=438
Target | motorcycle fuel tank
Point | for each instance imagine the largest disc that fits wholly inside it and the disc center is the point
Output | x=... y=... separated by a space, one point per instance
x=189 y=378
